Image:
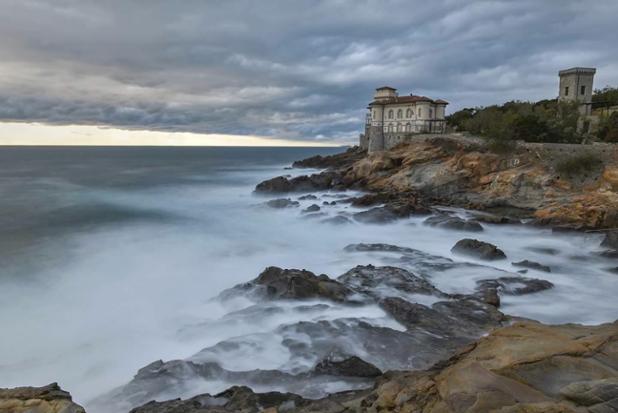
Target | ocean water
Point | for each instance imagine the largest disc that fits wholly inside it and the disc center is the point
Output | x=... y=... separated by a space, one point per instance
x=110 y=258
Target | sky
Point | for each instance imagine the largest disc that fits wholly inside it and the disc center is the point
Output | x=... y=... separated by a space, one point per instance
x=275 y=72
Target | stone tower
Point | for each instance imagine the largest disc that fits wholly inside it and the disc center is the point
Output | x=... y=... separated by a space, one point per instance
x=576 y=86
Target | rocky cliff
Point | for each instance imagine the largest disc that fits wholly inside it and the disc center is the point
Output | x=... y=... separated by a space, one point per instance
x=463 y=172
x=46 y=399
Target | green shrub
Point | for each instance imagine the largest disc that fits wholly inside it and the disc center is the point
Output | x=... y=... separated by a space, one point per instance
x=501 y=146
x=578 y=165
x=608 y=128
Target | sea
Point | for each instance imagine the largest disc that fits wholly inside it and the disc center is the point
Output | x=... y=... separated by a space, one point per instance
x=110 y=259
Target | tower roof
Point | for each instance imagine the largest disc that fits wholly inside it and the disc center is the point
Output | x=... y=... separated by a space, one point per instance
x=385 y=87
x=578 y=70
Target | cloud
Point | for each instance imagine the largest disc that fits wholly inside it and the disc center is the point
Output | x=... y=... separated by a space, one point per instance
x=302 y=70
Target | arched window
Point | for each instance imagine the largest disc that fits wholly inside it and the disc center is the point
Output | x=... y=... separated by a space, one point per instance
x=430 y=113
x=399 y=114
x=409 y=113
x=390 y=114
x=390 y=127
x=408 y=127
x=419 y=112
x=373 y=115
x=399 y=127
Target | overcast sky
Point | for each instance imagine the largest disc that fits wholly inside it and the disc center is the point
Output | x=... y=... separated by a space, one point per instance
x=287 y=69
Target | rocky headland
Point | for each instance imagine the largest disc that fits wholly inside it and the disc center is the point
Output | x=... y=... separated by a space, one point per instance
x=433 y=351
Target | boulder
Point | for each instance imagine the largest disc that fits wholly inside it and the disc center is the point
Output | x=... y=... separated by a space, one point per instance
x=514 y=285
x=478 y=249
x=303 y=183
x=309 y=197
x=311 y=208
x=46 y=399
x=390 y=212
x=454 y=223
x=532 y=265
x=351 y=367
x=282 y=203
x=337 y=220
x=275 y=283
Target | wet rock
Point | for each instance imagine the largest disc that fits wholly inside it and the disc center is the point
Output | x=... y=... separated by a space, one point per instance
x=375 y=199
x=377 y=215
x=311 y=208
x=457 y=320
x=332 y=161
x=331 y=203
x=532 y=265
x=379 y=282
x=276 y=283
x=609 y=254
x=495 y=219
x=454 y=223
x=314 y=215
x=46 y=399
x=613 y=270
x=515 y=285
x=478 y=249
x=611 y=240
x=524 y=367
x=351 y=366
x=282 y=203
x=307 y=197
x=522 y=271
x=315 y=182
x=337 y=220
x=544 y=250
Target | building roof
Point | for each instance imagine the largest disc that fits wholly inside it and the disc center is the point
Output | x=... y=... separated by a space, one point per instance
x=574 y=70
x=407 y=99
x=386 y=87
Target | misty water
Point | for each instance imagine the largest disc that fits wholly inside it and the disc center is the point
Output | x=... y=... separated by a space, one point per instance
x=110 y=258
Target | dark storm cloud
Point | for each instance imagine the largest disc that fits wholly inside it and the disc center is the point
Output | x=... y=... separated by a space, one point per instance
x=290 y=69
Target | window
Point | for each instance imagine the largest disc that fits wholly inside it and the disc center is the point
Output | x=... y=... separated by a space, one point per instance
x=430 y=113
x=390 y=114
x=399 y=114
x=409 y=113
x=419 y=112
x=583 y=90
x=374 y=114
x=399 y=127
x=566 y=91
x=408 y=127
x=390 y=127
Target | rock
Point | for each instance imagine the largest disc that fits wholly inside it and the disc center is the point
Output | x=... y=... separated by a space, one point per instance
x=544 y=250
x=352 y=366
x=613 y=270
x=46 y=399
x=315 y=182
x=314 y=215
x=332 y=161
x=331 y=203
x=389 y=213
x=379 y=282
x=453 y=222
x=611 y=240
x=307 y=197
x=275 y=283
x=515 y=285
x=603 y=393
x=282 y=203
x=311 y=208
x=478 y=249
x=532 y=265
x=495 y=219
x=337 y=220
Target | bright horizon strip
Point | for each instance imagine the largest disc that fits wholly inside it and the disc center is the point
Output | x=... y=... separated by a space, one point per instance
x=39 y=134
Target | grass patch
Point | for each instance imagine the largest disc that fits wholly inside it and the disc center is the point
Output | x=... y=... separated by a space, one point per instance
x=579 y=165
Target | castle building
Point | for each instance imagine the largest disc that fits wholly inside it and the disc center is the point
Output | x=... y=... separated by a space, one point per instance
x=392 y=119
x=576 y=86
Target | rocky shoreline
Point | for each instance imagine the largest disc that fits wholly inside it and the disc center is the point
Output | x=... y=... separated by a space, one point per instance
x=435 y=351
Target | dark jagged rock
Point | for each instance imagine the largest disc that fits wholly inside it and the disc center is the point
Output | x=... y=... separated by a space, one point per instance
x=544 y=250
x=515 y=285
x=282 y=203
x=381 y=281
x=351 y=367
x=332 y=161
x=331 y=203
x=458 y=320
x=375 y=199
x=453 y=222
x=315 y=182
x=276 y=283
x=478 y=249
x=337 y=220
x=311 y=208
x=613 y=270
x=390 y=212
x=309 y=197
x=495 y=219
x=46 y=399
x=532 y=265
x=611 y=240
